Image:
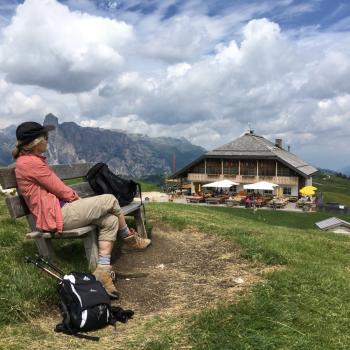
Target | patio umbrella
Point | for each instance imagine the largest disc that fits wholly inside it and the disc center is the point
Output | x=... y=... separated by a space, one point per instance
x=308 y=190
x=222 y=184
x=262 y=185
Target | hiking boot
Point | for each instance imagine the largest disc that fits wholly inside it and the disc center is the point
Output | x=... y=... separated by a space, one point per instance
x=134 y=242
x=106 y=276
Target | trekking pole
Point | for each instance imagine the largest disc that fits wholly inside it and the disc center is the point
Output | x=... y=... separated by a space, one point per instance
x=41 y=259
x=38 y=264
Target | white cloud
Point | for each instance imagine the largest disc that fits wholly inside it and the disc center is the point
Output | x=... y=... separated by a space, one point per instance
x=178 y=70
x=193 y=75
x=15 y=104
x=48 y=45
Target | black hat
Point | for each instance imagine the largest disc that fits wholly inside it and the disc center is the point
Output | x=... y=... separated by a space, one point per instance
x=29 y=131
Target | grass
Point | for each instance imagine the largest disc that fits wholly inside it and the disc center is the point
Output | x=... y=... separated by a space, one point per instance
x=334 y=188
x=148 y=187
x=303 y=305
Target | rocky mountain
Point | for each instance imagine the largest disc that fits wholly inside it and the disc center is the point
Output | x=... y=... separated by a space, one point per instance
x=7 y=140
x=128 y=154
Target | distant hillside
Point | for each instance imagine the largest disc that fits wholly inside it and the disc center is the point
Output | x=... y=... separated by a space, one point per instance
x=128 y=154
x=346 y=170
x=335 y=189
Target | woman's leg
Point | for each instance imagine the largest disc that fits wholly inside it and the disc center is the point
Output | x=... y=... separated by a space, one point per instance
x=103 y=211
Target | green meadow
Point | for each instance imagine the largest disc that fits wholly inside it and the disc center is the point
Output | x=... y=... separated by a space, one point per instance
x=334 y=188
x=303 y=303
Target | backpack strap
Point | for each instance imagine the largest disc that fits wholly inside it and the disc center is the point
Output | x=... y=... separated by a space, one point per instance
x=121 y=315
x=144 y=210
x=64 y=326
x=102 y=185
x=60 y=328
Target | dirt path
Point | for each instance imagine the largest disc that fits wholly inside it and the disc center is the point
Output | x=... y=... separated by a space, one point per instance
x=185 y=272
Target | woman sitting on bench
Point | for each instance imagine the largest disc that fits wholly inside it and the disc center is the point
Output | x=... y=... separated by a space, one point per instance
x=56 y=207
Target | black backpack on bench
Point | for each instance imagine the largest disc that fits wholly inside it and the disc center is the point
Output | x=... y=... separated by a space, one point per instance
x=103 y=181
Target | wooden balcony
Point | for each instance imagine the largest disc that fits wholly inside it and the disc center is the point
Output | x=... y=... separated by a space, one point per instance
x=244 y=179
x=203 y=177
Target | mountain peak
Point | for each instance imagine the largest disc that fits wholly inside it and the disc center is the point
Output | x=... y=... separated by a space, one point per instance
x=51 y=119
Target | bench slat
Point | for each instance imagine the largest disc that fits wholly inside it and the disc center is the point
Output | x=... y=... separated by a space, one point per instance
x=63 y=171
x=76 y=233
x=83 y=189
x=130 y=208
x=17 y=207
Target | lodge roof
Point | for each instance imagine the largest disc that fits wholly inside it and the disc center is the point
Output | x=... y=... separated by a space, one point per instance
x=250 y=145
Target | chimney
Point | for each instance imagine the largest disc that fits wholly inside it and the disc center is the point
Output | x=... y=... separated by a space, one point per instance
x=288 y=148
x=278 y=143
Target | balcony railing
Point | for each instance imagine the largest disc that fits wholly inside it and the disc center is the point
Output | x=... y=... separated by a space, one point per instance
x=244 y=179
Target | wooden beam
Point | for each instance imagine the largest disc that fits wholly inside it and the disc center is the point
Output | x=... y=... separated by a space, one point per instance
x=276 y=168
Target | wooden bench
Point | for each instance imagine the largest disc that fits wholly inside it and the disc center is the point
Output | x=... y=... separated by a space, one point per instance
x=18 y=208
x=215 y=200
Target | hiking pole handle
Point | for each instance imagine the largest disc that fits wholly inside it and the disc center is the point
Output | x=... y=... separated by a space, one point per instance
x=41 y=259
x=38 y=264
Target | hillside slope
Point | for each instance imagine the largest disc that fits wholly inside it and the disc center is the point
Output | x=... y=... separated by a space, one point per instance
x=334 y=188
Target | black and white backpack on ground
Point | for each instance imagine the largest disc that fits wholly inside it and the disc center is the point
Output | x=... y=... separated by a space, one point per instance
x=86 y=306
x=84 y=303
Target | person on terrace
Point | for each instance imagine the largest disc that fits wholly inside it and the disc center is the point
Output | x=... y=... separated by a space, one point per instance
x=57 y=207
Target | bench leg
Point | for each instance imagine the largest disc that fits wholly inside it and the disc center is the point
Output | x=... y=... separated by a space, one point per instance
x=45 y=248
x=91 y=249
x=140 y=224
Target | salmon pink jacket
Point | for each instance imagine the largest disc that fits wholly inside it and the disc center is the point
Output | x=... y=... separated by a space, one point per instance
x=42 y=190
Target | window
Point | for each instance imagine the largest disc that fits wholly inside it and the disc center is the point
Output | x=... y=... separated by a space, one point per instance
x=267 y=168
x=198 y=168
x=282 y=170
x=287 y=190
x=230 y=167
x=248 y=167
x=213 y=167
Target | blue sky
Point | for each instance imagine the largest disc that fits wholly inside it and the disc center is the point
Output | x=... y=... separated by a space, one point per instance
x=199 y=69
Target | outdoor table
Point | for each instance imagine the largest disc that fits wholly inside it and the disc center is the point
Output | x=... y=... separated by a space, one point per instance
x=194 y=199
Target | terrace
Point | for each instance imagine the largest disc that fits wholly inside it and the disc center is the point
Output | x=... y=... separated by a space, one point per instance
x=243 y=171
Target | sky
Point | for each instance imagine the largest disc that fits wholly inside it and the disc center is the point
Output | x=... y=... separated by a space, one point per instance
x=204 y=70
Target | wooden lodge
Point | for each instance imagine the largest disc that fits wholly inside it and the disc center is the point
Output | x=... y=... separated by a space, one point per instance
x=249 y=159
